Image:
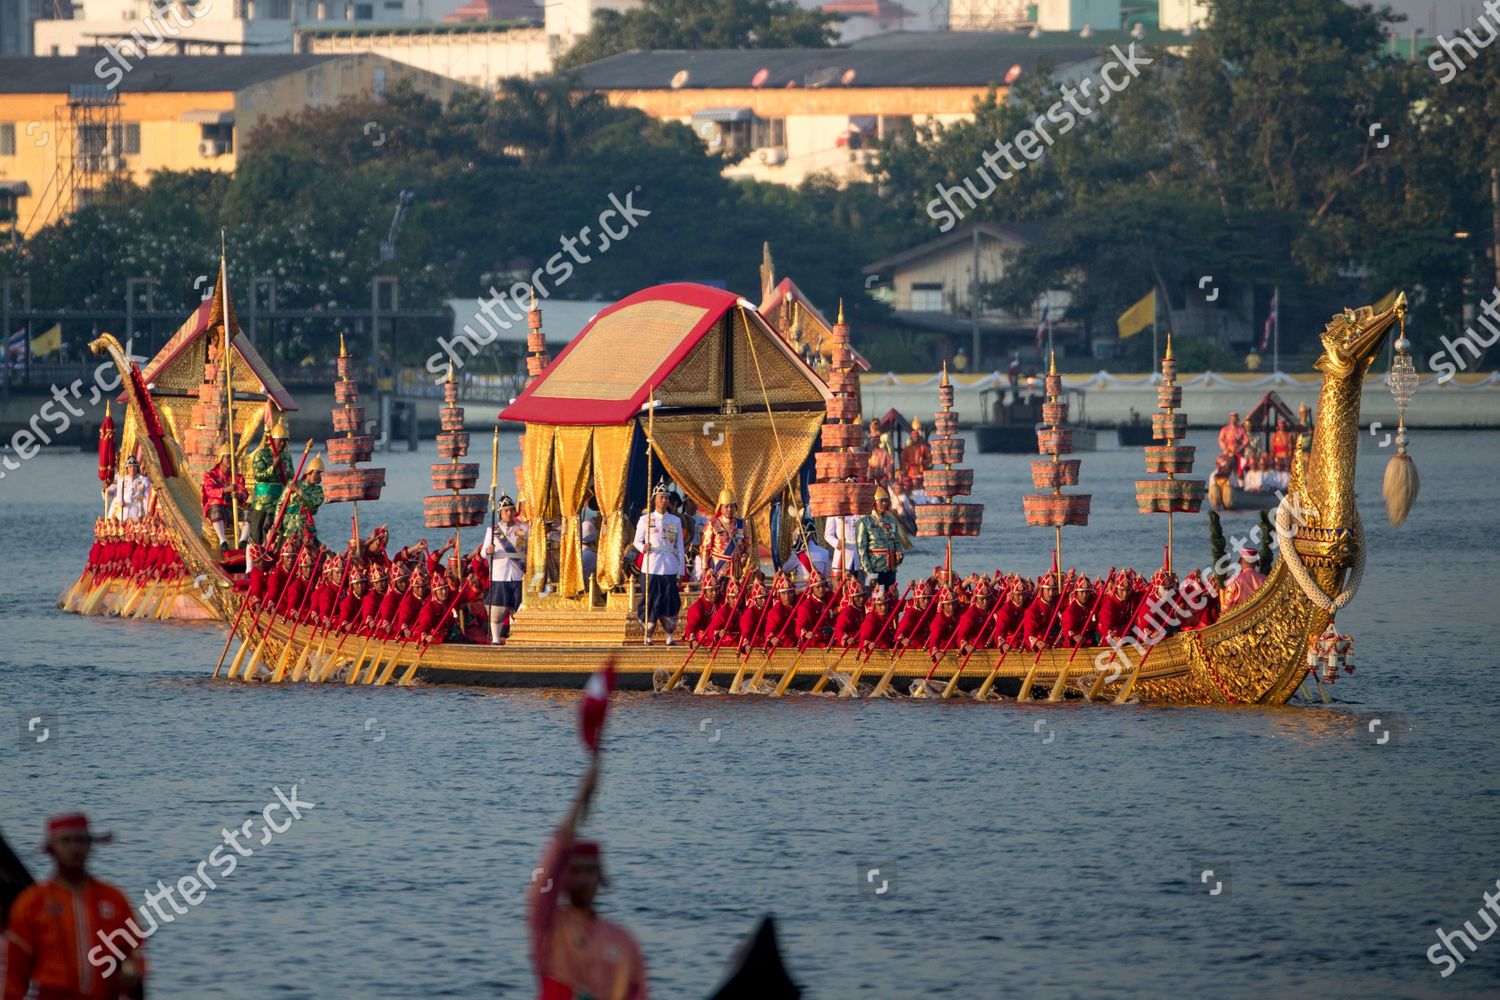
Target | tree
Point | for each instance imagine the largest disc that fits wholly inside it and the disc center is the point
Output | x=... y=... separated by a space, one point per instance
x=703 y=24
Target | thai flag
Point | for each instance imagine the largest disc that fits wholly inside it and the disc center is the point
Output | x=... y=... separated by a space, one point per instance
x=15 y=347
x=1272 y=320
x=596 y=704
x=1044 y=327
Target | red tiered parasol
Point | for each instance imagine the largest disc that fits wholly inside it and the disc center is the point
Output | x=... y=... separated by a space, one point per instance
x=107 y=456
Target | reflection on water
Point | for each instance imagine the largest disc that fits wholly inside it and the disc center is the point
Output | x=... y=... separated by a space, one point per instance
x=1041 y=850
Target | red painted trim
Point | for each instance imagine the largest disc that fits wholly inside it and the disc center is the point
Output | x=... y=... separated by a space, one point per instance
x=528 y=408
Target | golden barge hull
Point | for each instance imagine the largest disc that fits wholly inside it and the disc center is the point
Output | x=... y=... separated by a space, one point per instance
x=1254 y=655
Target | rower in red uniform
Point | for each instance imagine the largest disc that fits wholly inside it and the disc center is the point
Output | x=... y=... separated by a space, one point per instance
x=1009 y=614
x=976 y=625
x=355 y=587
x=700 y=614
x=873 y=631
x=1116 y=608
x=325 y=598
x=851 y=614
x=752 y=616
x=724 y=626
x=940 y=629
x=276 y=581
x=1075 y=622
x=1198 y=587
x=916 y=614
x=411 y=605
x=369 y=606
x=1155 y=617
x=290 y=602
x=781 y=616
x=390 y=603
x=810 y=622
x=1037 y=624
x=432 y=621
x=373 y=549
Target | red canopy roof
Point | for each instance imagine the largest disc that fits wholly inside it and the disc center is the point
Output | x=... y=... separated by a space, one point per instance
x=606 y=374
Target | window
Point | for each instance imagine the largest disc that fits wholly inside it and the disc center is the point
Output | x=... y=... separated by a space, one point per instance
x=7 y=138
x=127 y=139
x=896 y=127
x=927 y=296
x=219 y=138
x=767 y=132
x=364 y=11
x=92 y=141
x=377 y=85
x=395 y=4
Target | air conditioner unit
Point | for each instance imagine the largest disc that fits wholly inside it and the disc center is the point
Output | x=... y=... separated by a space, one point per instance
x=771 y=156
x=212 y=147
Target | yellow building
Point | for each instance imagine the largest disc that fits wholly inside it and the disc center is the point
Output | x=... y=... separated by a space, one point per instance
x=784 y=114
x=65 y=132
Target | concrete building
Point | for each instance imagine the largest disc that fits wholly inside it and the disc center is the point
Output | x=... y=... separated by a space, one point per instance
x=1182 y=15
x=65 y=132
x=16 y=17
x=789 y=113
x=1076 y=15
x=477 y=53
x=863 y=18
x=233 y=27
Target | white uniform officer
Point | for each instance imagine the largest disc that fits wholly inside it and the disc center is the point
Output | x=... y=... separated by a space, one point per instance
x=659 y=537
x=129 y=496
x=505 y=547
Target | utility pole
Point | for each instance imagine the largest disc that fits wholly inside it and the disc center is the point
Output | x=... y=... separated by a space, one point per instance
x=974 y=304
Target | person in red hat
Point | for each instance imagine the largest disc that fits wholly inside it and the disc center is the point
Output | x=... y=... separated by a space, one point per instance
x=577 y=954
x=1239 y=588
x=59 y=928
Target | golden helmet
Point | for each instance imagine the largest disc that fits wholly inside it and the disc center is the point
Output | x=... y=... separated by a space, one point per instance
x=278 y=429
x=223 y=451
x=881 y=493
x=316 y=465
x=726 y=497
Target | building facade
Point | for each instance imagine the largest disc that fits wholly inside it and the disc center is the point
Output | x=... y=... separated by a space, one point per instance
x=65 y=132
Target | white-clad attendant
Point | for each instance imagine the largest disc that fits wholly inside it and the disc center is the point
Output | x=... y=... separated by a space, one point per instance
x=659 y=537
x=505 y=547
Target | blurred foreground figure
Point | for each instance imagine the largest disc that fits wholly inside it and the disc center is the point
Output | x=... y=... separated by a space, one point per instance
x=577 y=954
x=55 y=923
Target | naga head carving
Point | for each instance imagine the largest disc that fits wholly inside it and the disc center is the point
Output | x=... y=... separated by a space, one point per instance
x=1353 y=338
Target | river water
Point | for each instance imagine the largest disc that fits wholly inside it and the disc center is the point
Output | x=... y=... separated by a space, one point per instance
x=1036 y=851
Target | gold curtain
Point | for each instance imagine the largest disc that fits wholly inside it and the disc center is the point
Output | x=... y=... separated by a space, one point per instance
x=536 y=462
x=747 y=459
x=571 y=462
x=611 y=463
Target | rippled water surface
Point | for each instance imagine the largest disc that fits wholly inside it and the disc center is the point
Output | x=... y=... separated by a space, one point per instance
x=1050 y=851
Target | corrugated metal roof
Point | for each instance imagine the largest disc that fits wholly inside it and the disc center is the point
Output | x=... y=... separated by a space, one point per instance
x=169 y=74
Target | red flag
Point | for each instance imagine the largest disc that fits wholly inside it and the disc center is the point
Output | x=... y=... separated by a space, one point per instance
x=107 y=458
x=595 y=704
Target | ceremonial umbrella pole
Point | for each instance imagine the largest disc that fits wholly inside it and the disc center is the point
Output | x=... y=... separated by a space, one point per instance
x=944 y=517
x=108 y=456
x=859 y=666
x=1169 y=495
x=1055 y=509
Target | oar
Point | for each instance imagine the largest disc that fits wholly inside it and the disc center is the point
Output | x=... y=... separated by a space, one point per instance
x=748 y=642
x=952 y=685
x=924 y=618
x=1062 y=677
x=411 y=671
x=791 y=672
x=232 y=630
x=676 y=675
x=737 y=685
x=1025 y=693
x=286 y=650
x=734 y=615
x=852 y=689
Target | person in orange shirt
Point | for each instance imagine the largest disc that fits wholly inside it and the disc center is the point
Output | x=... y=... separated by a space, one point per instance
x=577 y=954
x=60 y=930
x=1240 y=587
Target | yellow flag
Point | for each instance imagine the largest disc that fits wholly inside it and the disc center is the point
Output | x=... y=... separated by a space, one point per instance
x=47 y=341
x=1385 y=304
x=1139 y=316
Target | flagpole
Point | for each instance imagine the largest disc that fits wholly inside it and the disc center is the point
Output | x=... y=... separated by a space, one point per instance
x=1153 y=328
x=1276 y=330
x=234 y=497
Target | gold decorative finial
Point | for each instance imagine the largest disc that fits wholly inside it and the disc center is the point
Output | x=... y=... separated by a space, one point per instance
x=945 y=371
x=343 y=351
x=1052 y=366
x=450 y=370
x=1168 y=356
x=841 y=308
x=533 y=297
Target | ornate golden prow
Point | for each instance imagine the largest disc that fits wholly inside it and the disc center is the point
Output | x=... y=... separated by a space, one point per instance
x=1351 y=341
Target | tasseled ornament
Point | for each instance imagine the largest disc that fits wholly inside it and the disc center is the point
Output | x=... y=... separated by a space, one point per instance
x=1401 y=486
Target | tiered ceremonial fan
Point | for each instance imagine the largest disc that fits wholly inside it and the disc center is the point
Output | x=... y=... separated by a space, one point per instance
x=944 y=517
x=456 y=509
x=1057 y=508
x=1170 y=495
x=536 y=362
x=843 y=464
x=350 y=483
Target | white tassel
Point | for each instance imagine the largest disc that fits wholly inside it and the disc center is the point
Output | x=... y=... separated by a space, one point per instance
x=1401 y=487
